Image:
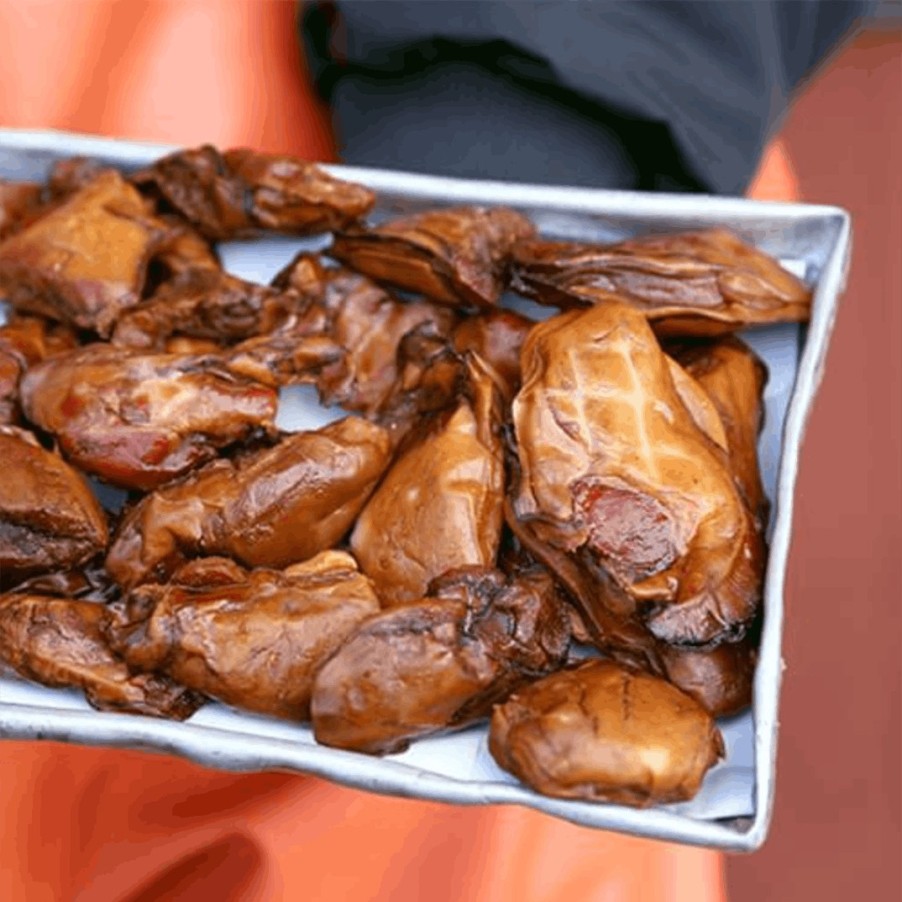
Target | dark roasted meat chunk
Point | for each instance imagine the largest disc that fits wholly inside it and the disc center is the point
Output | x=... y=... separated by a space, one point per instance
x=253 y=639
x=456 y=256
x=205 y=303
x=85 y=261
x=616 y=474
x=49 y=518
x=236 y=193
x=603 y=732
x=58 y=642
x=690 y=283
x=441 y=504
x=441 y=662
x=270 y=508
x=138 y=420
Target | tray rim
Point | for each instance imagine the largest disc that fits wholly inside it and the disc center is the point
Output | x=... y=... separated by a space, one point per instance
x=385 y=776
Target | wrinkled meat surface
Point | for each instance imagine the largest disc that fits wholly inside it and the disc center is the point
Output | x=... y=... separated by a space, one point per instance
x=616 y=474
x=440 y=662
x=59 y=642
x=456 y=256
x=270 y=508
x=239 y=192
x=603 y=732
x=253 y=639
x=690 y=283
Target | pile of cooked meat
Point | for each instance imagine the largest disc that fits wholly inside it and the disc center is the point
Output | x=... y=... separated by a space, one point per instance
x=556 y=525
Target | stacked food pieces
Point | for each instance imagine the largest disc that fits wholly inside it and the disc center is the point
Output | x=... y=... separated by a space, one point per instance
x=555 y=525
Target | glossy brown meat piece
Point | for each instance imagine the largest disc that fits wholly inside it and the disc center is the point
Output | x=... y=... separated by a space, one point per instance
x=440 y=505
x=690 y=283
x=85 y=261
x=49 y=518
x=603 y=732
x=138 y=420
x=456 y=256
x=367 y=324
x=734 y=378
x=270 y=508
x=205 y=303
x=25 y=341
x=442 y=662
x=236 y=193
x=253 y=639
x=19 y=202
x=69 y=175
x=497 y=337
x=616 y=474
x=58 y=642
x=719 y=679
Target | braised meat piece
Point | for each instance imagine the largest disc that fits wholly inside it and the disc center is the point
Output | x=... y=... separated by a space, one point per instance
x=690 y=283
x=25 y=341
x=615 y=473
x=138 y=420
x=456 y=256
x=19 y=201
x=85 y=261
x=733 y=377
x=58 y=642
x=603 y=732
x=497 y=337
x=237 y=193
x=719 y=679
x=205 y=302
x=49 y=519
x=440 y=505
x=441 y=662
x=69 y=175
x=270 y=508
x=253 y=639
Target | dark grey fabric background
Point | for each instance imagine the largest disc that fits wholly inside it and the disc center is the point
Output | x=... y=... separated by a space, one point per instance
x=650 y=95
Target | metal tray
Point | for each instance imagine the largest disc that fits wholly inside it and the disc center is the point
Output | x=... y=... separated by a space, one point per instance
x=733 y=809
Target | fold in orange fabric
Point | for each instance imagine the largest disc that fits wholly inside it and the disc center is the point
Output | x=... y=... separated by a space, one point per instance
x=117 y=826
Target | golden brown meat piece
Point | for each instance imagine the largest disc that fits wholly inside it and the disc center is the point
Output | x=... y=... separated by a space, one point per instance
x=253 y=639
x=440 y=663
x=237 y=193
x=25 y=341
x=138 y=420
x=58 y=642
x=616 y=474
x=440 y=505
x=497 y=337
x=270 y=508
x=603 y=732
x=690 y=283
x=85 y=261
x=49 y=519
x=19 y=202
x=734 y=378
x=456 y=256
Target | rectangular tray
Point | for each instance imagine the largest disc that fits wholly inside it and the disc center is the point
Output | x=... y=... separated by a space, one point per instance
x=733 y=809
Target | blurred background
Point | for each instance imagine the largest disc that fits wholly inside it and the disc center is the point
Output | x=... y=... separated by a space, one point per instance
x=232 y=72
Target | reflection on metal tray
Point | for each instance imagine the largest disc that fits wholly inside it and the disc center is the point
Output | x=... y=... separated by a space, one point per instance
x=733 y=809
